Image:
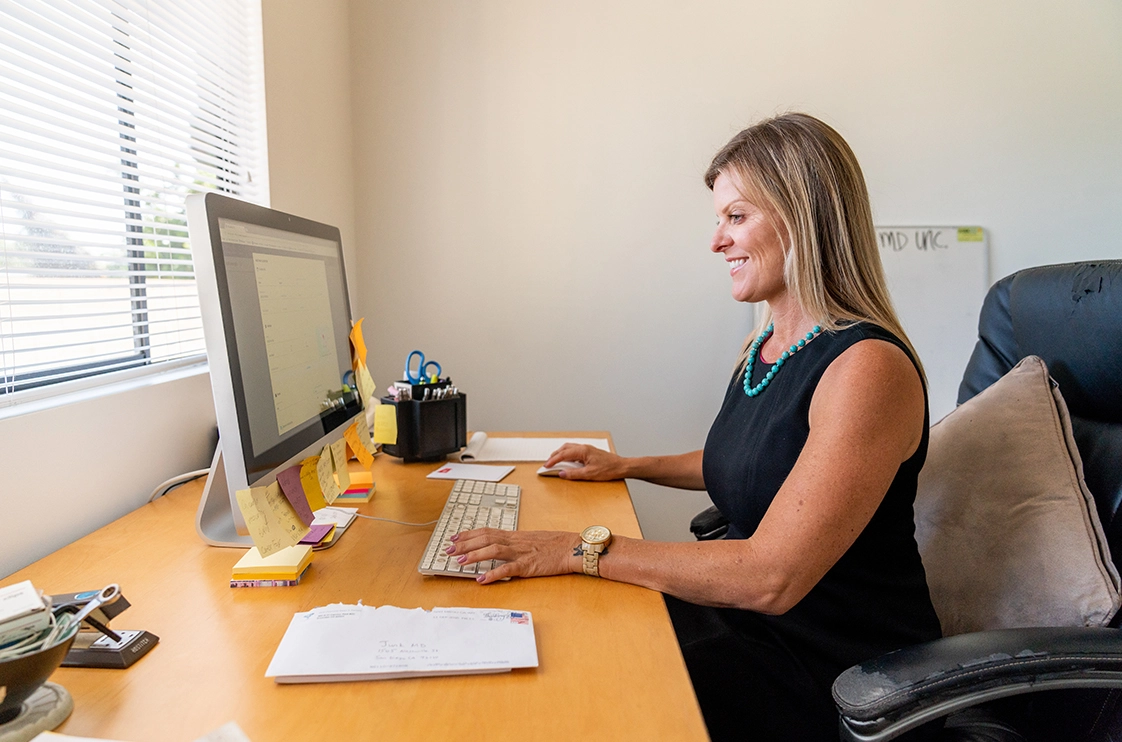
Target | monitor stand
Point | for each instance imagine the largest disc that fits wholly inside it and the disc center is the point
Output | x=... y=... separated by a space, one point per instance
x=215 y=520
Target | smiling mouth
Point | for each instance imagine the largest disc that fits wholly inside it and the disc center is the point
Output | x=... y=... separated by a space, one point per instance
x=735 y=265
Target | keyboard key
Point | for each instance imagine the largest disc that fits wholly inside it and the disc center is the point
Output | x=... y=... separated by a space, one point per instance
x=470 y=505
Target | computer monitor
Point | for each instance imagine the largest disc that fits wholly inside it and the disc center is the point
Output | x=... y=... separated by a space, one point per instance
x=276 y=320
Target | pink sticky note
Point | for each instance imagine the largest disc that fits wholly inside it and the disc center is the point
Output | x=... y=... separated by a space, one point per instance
x=317 y=533
x=289 y=481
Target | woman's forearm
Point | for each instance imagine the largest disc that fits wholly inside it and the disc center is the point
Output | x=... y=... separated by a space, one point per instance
x=682 y=471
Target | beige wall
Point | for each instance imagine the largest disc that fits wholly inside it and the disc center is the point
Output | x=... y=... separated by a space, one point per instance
x=530 y=209
x=308 y=108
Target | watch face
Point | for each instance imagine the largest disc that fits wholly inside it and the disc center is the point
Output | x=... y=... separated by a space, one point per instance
x=595 y=534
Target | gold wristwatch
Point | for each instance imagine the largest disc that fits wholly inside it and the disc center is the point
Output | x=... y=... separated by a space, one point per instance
x=594 y=542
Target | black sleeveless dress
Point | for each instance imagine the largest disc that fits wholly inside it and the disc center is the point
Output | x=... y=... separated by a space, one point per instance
x=873 y=600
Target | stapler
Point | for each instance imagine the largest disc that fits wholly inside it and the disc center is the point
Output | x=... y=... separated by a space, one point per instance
x=97 y=645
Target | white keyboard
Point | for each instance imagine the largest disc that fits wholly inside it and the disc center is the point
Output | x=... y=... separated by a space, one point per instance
x=471 y=504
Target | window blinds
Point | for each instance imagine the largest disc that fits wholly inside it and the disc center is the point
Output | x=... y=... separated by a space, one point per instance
x=111 y=112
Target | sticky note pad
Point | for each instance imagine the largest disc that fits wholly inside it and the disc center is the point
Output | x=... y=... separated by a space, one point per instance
x=385 y=424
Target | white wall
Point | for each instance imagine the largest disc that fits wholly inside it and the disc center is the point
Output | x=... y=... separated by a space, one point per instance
x=72 y=469
x=530 y=208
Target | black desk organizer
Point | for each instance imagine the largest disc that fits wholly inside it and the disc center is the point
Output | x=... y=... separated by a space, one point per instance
x=429 y=430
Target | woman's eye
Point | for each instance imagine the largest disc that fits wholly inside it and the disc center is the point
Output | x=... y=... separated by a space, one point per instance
x=736 y=218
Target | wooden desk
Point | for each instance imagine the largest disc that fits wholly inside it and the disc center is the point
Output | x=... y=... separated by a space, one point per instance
x=215 y=641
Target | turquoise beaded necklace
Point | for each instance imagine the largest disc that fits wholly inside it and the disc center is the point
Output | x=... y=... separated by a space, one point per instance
x=754 y=351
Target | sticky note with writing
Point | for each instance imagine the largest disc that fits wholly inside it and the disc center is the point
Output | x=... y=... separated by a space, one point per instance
x=270 y=518
x=309 y=479
x=350 y=435
x=325 y=469
x=290 y=485
x=385 y=424
x=365 y=382
x=363 y=431
x=339 y=454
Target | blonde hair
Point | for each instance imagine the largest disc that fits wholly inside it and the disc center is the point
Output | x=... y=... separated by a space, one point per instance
x=802 y=171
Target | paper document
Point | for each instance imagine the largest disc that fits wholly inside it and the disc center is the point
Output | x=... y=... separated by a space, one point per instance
x=341 y=642
x=480 y=472
x=483 y=448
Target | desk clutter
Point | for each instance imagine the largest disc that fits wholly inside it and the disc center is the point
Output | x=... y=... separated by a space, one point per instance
x=339 y=642
x=39 y=633
x=282 y=514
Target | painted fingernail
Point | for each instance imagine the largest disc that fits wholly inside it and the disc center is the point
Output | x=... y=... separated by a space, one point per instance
x=454 y=537
x=480 y=578
x=450 y=550
x=462 y=558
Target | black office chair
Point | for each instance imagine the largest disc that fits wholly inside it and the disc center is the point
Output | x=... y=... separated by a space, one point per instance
x=1071 y=317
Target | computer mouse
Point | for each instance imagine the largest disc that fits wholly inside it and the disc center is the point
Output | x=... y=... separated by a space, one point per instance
x=557 y=468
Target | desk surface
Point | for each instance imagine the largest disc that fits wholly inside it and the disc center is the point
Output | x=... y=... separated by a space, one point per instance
x=215 y=641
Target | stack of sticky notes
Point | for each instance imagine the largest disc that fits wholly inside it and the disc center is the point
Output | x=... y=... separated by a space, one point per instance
x=361 y=488
x=338 y=518
x=280 y=569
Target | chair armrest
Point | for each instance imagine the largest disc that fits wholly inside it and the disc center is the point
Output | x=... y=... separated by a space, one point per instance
x=891 y=694
x=709 y=524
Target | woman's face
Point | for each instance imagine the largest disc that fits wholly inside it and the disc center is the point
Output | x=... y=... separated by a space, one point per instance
x=751 y=246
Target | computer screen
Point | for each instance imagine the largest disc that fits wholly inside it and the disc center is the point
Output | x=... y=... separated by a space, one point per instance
x=277 y=321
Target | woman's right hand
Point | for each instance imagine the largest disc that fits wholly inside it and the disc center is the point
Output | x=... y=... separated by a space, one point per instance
x=596 y=464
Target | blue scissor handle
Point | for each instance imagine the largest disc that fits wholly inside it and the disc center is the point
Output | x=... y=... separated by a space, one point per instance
x=422 y=374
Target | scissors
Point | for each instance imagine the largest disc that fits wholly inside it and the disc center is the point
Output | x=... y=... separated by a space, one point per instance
x=421 y=375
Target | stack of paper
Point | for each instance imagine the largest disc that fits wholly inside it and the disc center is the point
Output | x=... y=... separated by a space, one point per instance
x=482 y=448
x=341 y=642
x=280 y=569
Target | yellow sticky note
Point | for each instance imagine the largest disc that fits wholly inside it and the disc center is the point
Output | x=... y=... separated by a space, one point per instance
x=363 y=431
x=339 y=454
x=324 y=475
x=272 y=522
x=971 y=234
x=309 y=480
x=365 y=383
x=385 y=424
x=358 y=342
x=350 y=435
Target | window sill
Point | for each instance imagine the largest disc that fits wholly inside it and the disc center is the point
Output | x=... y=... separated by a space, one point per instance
x=60 y=395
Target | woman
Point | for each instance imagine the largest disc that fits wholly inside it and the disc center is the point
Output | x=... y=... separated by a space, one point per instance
x=813 y=457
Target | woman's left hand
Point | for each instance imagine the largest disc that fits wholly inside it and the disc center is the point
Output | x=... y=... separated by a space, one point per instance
x=526 y=553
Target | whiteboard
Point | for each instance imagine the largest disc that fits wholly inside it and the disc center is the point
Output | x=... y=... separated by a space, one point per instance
x=938 y=277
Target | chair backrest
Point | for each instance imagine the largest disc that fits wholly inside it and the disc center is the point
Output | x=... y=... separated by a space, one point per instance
x=1069 y=315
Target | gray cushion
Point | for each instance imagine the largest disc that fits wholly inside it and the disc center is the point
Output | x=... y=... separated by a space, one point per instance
x=1008 y=532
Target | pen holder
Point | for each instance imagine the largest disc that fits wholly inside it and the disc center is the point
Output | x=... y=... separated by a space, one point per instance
x=428 y=429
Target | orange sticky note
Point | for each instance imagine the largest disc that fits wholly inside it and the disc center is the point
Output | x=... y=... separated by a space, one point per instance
x=358 y=342
x=359 y=450
x=309 y=478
